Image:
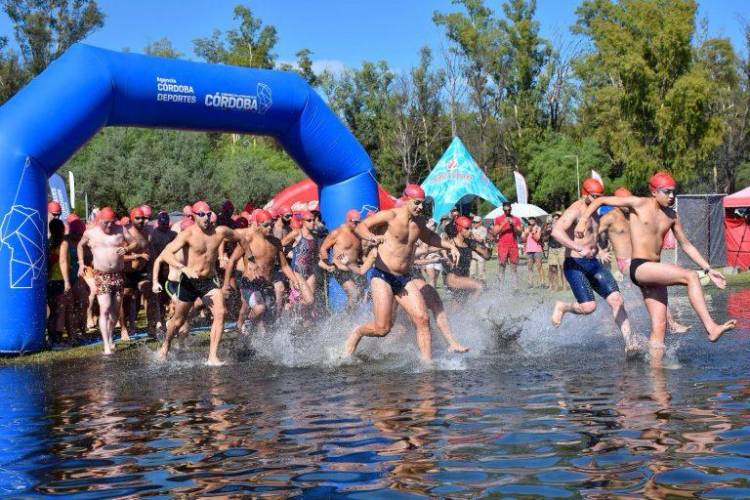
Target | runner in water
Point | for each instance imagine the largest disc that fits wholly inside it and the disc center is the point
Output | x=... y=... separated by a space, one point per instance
x=650 y=220
x=262 y=253
x=304 y=250
x=614 y=228
x=458 y=280
x=391 y=279
x=583 y=271
x=199 y=279
x=346 y=248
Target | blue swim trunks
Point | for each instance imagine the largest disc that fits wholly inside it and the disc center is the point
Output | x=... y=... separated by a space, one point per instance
x=588 y=275
x=397 y=282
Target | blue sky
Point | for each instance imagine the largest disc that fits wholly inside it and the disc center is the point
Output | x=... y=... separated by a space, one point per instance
x=340 y=32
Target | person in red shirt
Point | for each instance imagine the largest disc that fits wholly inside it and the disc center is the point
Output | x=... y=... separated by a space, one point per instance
x=506 y=229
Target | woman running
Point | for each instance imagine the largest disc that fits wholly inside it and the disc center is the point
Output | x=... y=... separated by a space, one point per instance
x=458 y=280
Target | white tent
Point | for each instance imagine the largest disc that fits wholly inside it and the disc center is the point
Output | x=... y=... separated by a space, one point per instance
x=522 y=210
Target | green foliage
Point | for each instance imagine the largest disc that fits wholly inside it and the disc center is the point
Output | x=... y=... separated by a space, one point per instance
x=43 y=30
x=551 y=176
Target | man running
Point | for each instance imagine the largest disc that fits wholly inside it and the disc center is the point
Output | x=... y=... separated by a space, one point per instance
x=614 y=228
x=347 y=249
x=108 y=243
x=138 y=278
x=650 y=220
x=506 y=229
x=390 y=278
x=263 y=253
x=198 y=280
x=584 y=272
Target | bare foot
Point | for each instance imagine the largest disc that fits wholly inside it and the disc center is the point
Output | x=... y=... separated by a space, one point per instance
x=715 y=332
x=457 y=348
x=124 y=335
x=678 y=327
x=557 y=313
x=215 y=362
x=108 y=352
x=162 y=353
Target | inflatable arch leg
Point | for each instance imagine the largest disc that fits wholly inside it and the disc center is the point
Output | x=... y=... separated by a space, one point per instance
x=88 y=88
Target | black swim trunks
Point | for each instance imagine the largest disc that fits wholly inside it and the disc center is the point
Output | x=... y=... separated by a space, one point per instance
x=259 y=292
x=343 y=276
x=135 y=278
x=634 y=265
x=190 y=289
x=396 y=281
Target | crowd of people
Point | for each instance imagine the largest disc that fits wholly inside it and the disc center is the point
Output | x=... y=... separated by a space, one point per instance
x=260 y=268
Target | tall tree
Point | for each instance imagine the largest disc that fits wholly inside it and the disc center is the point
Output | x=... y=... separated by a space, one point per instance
x=251 y=44
x=43 y=30
x=163 y=48
x=644 y=98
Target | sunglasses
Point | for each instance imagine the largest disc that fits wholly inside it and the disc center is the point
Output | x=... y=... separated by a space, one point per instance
x=417 y=202
x=266 y=224
x=594 y=195
x=140 y=218
x=202 y=214
x=667 y=191
x=58 y=214
x=309 y=220
x=287 y=216
x=108 y=222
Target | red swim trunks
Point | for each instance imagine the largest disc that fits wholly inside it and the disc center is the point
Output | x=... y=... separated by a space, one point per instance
x=507 y=253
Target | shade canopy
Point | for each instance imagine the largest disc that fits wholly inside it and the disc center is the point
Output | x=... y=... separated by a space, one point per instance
x=455 y=177
x=523 y=210
x=738 y=200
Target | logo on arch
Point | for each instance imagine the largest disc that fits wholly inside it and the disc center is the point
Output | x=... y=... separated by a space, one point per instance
x=258 y=103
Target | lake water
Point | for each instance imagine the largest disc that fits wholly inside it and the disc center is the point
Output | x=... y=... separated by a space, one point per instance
x=560 y=413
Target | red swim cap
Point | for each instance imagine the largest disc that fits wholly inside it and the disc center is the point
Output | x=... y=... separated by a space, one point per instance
x=187 y=210
x=147 y=211
x=463 y=222
x=54 y=207
x=137 y=212
x=592 y=186
x=260 y=216
x=662 y=180
x=200 y=206
x=106 y=213
x=353 y=215
x=623 y=191
x=414 y=192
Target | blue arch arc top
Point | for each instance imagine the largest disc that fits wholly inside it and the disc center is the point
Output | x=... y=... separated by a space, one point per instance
x=88 y=88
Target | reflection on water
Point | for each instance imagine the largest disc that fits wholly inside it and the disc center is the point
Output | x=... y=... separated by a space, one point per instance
x=572 y=418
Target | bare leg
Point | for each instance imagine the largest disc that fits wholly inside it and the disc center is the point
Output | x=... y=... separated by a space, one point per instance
x=215 y=302
x=90 y=319
x=242 y=316
x=571 y=307
x=279 y=289
x=661 y=274
x=412 y=302
x=501 y=274
x=617 y=303
x=474 y=287
x=435 y=304
x=352 y=293
x=382 y=305
x=655 y=298
x=109 y=305
x=540 y=270
x=181 y=311
x=530 y=270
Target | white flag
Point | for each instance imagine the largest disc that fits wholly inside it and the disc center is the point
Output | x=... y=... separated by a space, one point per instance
x=522 y=192
x=72 y=188
x=595 y=175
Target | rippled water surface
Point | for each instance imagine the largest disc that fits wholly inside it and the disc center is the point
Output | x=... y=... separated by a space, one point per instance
x=560 y=414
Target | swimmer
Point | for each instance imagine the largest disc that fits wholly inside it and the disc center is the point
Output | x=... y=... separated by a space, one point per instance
x=614 y=228
x=346 y=247
x=650 y=219
x=458 y=280
x=391 y=279
x=263 y=253
x=304 y=250
x=138 y=278
x=583 y=271
x=108 y=243
x=198 y=279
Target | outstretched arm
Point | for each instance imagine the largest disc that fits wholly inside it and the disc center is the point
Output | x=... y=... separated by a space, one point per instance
x=633 y=202
x=326 y=245
x=434 y=240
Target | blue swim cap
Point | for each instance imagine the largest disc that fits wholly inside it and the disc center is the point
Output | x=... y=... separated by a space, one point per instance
x=604 y=209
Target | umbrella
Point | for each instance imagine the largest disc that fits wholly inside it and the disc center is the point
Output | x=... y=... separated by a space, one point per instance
x=523 y=210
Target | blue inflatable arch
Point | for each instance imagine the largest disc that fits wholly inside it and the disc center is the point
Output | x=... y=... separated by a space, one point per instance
x=88 y=88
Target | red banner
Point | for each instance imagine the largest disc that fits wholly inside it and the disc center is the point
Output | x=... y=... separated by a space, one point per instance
x=737 y=237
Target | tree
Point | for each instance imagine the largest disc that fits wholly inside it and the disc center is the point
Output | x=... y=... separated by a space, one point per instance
x=250 y=45
x=43 y=30
x=644 y=99
x=163 y=48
